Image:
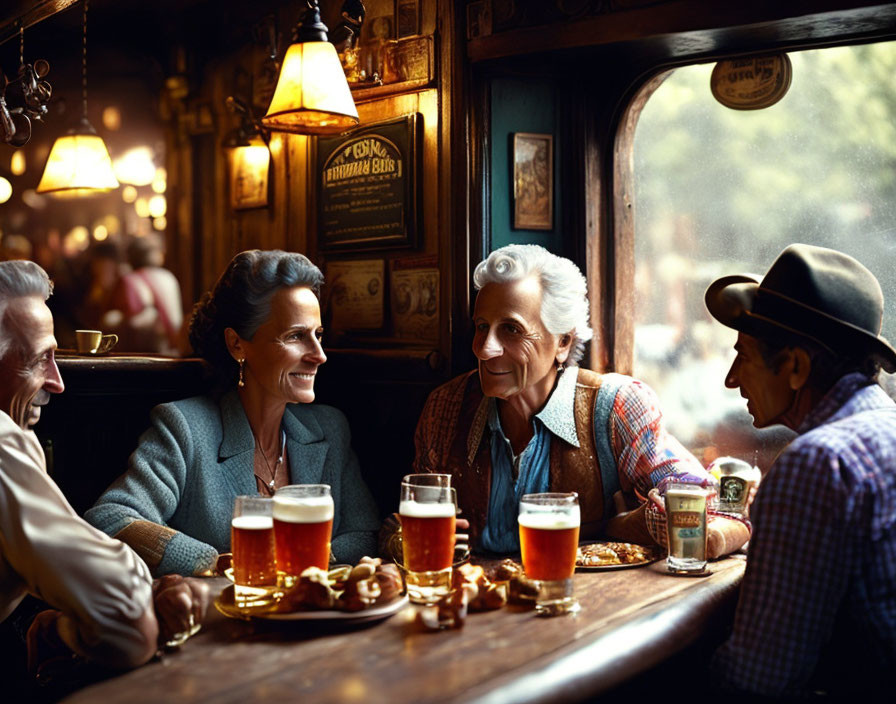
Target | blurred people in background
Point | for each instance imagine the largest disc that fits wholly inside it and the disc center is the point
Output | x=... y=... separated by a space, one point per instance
x=14 y=247
x=104 y=270
x=147 y=309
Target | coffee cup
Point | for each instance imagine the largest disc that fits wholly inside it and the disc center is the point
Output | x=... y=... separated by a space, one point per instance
x=94 y=342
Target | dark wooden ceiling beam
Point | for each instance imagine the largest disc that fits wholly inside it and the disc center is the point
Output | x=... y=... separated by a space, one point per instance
x=695 y=26
x=20 y=13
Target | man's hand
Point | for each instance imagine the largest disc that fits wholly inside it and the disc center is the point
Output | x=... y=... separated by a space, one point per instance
x=43 y=641
x=724 y=536
x=180 y=603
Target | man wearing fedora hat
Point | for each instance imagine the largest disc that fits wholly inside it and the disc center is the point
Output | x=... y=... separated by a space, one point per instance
x=817 y=607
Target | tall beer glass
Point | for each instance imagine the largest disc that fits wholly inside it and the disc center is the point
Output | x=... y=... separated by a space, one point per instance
x=428 y=512
x=549 y=536
x=303 y=525
x=252 y=544
x=686 y=527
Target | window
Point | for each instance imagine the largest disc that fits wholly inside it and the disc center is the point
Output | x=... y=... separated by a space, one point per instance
x=719 y=191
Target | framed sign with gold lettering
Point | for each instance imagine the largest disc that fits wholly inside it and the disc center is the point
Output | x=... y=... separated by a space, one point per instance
x=368 y=186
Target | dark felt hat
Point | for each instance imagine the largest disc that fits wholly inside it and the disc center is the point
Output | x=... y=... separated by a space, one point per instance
x=819 y=294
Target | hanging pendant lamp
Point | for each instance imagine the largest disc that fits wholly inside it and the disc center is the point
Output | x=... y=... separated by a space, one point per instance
x=79 y=162
x=312 y=95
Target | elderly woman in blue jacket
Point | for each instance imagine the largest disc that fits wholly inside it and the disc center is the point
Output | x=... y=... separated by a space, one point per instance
x=260 y=329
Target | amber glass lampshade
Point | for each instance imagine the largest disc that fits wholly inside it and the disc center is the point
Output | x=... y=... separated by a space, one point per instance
x=312 y=95
x=78 y=164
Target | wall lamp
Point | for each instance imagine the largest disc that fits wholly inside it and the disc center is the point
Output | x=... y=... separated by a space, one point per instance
x=249 y=158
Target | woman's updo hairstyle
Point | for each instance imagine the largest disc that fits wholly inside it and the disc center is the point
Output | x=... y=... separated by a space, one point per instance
x=241 y=299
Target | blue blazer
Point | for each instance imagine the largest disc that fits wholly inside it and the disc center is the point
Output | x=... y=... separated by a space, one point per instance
x=198 y=455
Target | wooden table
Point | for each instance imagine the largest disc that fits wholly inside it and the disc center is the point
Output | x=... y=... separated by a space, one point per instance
x=630 y=620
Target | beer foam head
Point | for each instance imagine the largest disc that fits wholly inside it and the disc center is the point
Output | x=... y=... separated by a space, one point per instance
x=253 y=522
x=552 y=521
x=308 y=509
x=416 y=509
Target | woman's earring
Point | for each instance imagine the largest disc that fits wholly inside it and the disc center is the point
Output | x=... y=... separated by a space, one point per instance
x=560 y=367
x=241 y=382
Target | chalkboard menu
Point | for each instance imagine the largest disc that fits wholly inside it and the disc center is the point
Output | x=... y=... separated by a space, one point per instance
x=367 y=186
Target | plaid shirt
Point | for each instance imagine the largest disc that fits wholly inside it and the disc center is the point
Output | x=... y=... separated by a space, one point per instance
x=645 y=453
x=823 y=552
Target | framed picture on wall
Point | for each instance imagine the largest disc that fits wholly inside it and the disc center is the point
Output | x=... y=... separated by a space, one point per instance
x=533 y=181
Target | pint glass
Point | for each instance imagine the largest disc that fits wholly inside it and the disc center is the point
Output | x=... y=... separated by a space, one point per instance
x=549 y=536
x=303 y=524
x=428 y=512
x=252 y=544
x=686 y=527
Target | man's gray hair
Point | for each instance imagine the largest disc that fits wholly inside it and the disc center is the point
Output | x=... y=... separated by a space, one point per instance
x=564 y=300
x=19 y=278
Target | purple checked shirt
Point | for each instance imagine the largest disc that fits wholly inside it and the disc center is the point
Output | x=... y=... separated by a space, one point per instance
x=823 y=552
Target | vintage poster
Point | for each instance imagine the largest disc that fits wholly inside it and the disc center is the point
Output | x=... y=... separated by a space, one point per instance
x=415 y=302
x=367 y=186
x=355 y=295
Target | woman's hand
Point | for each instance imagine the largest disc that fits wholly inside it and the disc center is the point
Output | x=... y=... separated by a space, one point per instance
x=180 y=604
x=461 y=536
x=224 y=563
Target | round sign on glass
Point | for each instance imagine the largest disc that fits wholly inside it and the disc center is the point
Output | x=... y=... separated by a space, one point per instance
x=751 y=83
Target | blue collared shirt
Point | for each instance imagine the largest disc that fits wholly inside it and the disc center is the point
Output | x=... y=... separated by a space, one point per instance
x=529 y=472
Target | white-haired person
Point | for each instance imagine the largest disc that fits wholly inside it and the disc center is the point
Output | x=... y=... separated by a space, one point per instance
x=529 y=420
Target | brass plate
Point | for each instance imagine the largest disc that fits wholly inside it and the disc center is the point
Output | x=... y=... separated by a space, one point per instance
x=751 y=83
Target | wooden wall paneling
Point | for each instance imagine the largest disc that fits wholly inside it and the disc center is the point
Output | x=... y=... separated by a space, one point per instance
x=475 y=180
x=454 y=140
x=216 y=231
x=178 y=233
x=296 y=174
x=219 y=231
x=272 y=220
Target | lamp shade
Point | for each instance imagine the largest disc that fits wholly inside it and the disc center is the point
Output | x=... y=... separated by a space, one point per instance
x=312 y=95
x=5 y=190
x=78 y=164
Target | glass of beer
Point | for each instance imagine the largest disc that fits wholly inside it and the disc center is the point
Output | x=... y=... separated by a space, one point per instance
x=252 y=544
x=428 y=511
x=303 y=525
x=549 y=536
x=686 y=526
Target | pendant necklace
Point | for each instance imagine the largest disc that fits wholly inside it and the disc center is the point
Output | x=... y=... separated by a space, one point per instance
x=270 y=484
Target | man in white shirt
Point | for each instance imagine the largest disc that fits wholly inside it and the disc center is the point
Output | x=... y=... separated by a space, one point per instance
x=100 y=593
